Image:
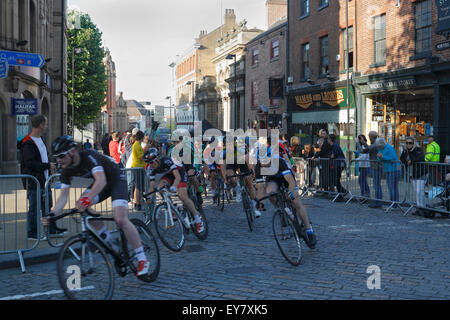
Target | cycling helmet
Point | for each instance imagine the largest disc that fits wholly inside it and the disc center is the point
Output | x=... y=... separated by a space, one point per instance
x=151 y=154
x=62 y=145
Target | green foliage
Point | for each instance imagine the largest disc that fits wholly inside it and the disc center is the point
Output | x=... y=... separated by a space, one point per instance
x=90 y=81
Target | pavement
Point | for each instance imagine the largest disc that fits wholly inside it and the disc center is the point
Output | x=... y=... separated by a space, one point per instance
x=361 y=254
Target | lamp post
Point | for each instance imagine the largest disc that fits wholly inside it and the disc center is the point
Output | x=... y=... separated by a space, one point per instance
x=170 y=110
x=74 y=51
x=230 y=57
x=347 y=75
x=192 y=83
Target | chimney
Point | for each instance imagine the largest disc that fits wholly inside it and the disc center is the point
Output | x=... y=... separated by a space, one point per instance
x=276 y=10
x=230 y=18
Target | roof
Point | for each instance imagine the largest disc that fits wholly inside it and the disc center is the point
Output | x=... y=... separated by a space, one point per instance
x=276 y=26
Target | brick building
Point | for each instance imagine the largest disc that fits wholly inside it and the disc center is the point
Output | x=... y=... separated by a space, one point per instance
x=398 y=78
x=32 y=26
x=265 y=63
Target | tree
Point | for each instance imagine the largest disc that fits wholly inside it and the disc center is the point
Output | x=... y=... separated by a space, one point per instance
x=90 y=81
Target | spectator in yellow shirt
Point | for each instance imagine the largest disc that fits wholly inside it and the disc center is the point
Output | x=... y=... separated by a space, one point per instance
x=139 y=174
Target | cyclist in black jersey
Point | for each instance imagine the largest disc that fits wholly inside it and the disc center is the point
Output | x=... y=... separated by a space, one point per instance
x=109 y=181
x=175 y=176
x=282 y=175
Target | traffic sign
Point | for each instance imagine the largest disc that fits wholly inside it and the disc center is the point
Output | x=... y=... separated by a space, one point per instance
x=26 y=59
x=3 y=69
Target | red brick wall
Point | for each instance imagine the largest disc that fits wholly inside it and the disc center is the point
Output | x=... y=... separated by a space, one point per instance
x=275 y=11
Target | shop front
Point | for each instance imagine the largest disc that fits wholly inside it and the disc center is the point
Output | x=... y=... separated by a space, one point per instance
x=404 y=104
x=318 y=108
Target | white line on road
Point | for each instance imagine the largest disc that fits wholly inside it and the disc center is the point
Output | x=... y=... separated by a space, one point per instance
x=37 y=294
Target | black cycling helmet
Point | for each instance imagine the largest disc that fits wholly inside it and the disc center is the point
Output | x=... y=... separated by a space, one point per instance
x=151 y=154
x=62 y=145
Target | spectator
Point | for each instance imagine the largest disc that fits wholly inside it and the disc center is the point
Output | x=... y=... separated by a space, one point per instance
x=35 y=162
x=129 y=160
x=337 y=166
x=388 y=156
x=138 y=162
x=296 y=149
x=433 y=154
x=105 y=144
x=363 y=165
x=114 y=147
x=411 y=157
x=87 y=145
x=376 y=169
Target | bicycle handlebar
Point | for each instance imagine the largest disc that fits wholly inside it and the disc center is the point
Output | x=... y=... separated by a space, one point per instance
x=70 y=212
x=273 y=194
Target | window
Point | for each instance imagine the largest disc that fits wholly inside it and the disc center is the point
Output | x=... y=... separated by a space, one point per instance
x=379 y=39
x=255 y=56
x=275 y=49
x=305 y=61
x=323 y=3
x=324 y=55
x=422 y=19
x=305 y=7
x=350 y=46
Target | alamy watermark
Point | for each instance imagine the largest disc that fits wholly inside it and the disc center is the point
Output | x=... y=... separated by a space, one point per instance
x=374 y=280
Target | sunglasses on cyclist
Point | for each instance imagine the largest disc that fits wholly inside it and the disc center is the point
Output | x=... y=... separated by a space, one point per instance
x=409 y=142
x=61 y=155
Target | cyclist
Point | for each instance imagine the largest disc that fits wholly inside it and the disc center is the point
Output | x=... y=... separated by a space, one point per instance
x=109 y=181
x=283 y=175
x=190 y=168
x=212 y=165
x=241 y=150
x=175 y=177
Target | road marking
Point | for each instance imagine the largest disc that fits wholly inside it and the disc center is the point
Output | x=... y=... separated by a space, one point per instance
x=37 y=294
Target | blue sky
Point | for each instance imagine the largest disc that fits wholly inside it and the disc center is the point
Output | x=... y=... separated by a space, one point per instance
x=144 y=36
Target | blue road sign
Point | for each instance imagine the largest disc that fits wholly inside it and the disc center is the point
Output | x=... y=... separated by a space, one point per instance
x=26 y=59
x=3 y=69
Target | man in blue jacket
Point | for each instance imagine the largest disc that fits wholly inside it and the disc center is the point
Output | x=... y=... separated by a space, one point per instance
x=388 y=156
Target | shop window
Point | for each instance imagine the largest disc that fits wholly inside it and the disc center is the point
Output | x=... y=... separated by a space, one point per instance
x=379 y=39
x=324 y=55
x=350 y=46
x=422 y=20
x=305 y=62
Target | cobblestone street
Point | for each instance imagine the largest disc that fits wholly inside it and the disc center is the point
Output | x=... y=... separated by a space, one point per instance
x=234 y=263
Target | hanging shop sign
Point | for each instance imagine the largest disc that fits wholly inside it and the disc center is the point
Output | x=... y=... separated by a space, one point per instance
x=443 y=11
x=336 y=98
x=443 y=45
x=24 y=106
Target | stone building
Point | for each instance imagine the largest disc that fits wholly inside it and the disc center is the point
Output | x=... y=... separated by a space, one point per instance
x=32 y=26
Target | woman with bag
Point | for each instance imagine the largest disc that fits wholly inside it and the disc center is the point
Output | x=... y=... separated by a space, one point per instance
x=363 y=164
x=417 y=173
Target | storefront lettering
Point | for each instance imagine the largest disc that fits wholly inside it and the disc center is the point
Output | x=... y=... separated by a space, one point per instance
x=331 y=98
x=304 y=101
x=392 y=84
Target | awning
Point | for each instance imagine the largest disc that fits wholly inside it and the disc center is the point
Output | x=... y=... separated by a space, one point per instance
x=332 y=116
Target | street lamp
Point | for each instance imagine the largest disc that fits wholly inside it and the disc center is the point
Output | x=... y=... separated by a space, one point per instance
x=74 y=51
x=230 y=57
x=170 y=110
x=192 y=83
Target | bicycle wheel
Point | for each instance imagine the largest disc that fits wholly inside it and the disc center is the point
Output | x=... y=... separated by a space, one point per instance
x=149 y=209
x=151 y=251
x=200 y=235
x=193 y=197
x=287 y=238
x=84 y=270
x=170 y=233
x=220 y=196
x=248 y=209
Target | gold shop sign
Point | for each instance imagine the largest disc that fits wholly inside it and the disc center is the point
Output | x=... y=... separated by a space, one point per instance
x=333 y=98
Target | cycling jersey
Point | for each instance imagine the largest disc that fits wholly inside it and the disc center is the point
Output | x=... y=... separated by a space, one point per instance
x=166 y=168
x=91 y=162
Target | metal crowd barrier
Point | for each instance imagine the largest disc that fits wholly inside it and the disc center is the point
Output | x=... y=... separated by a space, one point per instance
x=326 y=176
x=16 y=195
x=378 y=181
x=428 y=188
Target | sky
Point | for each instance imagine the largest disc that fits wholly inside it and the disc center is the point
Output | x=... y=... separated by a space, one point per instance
x=144 y=37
